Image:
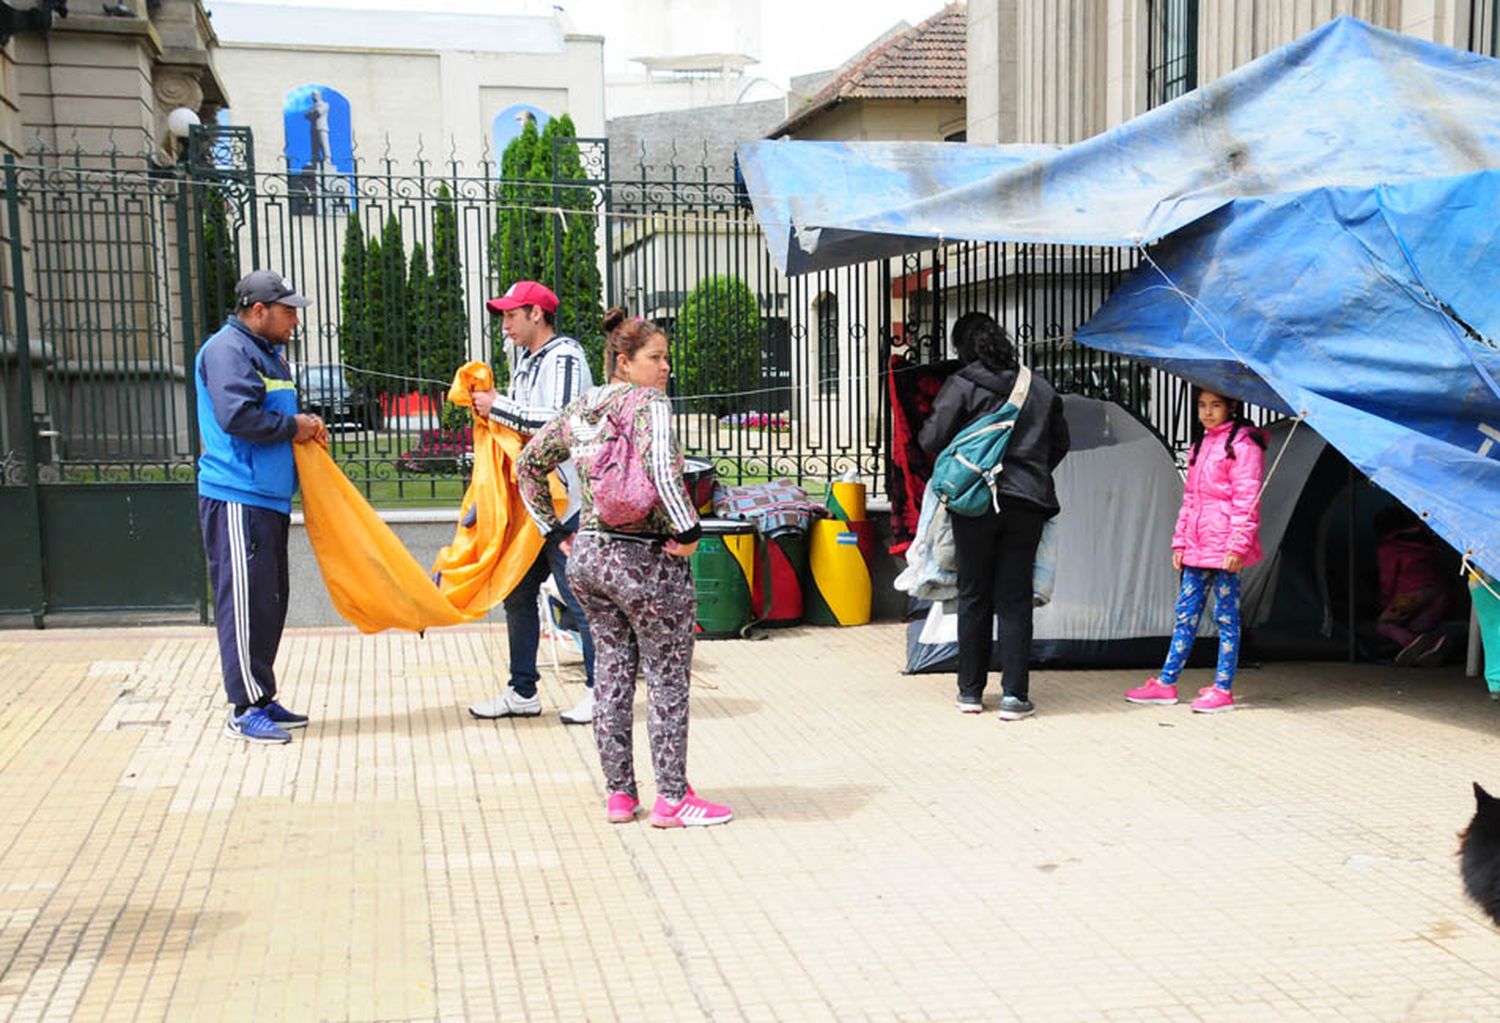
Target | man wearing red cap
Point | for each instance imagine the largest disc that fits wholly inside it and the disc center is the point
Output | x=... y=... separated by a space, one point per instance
x=551 y=372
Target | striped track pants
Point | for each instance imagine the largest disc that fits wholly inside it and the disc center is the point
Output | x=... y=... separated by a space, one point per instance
x=247 y=568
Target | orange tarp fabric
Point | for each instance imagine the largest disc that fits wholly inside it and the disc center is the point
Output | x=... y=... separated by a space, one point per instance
x=375 y=583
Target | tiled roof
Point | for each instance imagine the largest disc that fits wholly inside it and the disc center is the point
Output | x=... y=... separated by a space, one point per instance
x=925 y=62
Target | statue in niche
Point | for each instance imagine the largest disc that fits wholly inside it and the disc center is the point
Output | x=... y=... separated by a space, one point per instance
x=317 y=129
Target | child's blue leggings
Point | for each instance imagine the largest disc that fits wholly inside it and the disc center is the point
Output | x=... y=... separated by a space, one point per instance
x=1195 y=586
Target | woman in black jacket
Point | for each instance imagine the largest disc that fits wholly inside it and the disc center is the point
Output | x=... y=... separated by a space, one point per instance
x=996 y=551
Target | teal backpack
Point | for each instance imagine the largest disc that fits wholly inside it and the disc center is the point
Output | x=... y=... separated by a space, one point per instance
x=966 y=474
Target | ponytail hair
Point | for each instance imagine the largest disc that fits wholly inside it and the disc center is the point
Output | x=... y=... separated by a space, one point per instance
x=624 y=335
x=614 y=316
x=1237 y=422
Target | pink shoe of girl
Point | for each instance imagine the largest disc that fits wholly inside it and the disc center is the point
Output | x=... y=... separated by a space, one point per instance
x=1213 y=700
x=1152 y=692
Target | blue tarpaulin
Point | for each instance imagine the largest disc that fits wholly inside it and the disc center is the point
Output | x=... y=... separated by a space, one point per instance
x=1325 y=224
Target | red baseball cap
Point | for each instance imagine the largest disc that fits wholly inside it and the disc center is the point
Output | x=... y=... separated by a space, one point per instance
x=524 y=293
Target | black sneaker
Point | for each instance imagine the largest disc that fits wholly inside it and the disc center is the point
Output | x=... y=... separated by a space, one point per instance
x=1013 y=708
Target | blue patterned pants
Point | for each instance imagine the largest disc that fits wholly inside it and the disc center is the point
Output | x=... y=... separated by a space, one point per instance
x=1196 y=583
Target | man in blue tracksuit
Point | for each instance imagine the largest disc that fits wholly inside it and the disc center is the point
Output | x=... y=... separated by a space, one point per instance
x=248 y=420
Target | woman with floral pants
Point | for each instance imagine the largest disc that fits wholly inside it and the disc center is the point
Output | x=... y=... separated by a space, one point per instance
x=633 y=582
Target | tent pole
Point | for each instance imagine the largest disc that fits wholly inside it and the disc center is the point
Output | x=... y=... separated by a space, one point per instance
x=1353 y=482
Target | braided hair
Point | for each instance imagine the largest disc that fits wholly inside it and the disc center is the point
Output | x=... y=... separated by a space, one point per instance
x=1237 y=422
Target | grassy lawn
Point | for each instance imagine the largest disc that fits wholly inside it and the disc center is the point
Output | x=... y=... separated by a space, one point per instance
x=371 y=463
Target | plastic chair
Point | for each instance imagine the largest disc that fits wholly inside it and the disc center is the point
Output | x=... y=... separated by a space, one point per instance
x=551 y=612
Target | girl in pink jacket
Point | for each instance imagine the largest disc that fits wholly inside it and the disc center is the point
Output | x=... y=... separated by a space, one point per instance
x=1218 y=533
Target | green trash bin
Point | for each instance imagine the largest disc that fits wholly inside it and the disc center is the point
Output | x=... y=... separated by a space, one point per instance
x=723 y=575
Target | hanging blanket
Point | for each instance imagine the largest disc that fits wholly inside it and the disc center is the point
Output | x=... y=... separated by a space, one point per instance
x=912 y=388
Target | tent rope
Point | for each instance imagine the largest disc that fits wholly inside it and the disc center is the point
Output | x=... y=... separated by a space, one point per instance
x=1284 y=445
x=1194 y=305
x=1467 y=567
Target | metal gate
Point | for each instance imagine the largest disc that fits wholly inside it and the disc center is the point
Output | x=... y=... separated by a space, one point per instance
x=97 y=499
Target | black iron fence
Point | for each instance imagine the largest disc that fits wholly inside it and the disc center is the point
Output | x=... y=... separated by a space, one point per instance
x=773 y=376
x=114 y=270
x=96 y=430
x=100 y=247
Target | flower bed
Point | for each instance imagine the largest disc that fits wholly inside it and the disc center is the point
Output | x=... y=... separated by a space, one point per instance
x=440 y=452
x=773 y=421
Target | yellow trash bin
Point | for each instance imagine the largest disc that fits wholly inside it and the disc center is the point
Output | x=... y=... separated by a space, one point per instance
x=840 y=593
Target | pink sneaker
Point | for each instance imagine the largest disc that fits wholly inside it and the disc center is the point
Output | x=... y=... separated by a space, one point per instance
x=622 y=808
x=1152 y=692
x=1213 y=700
x=692 y=812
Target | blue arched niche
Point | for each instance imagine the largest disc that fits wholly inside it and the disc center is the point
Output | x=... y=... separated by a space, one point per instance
x=508 y=124
x=299 y=128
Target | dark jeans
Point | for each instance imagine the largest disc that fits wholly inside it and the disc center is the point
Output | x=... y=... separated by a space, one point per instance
x=995 y=558
x=524 y=629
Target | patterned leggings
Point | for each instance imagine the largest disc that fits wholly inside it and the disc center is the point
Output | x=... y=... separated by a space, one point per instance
x=640 y=604
x=1190 y=601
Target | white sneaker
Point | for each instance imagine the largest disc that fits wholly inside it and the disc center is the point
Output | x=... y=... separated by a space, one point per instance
x=509 y=704
x=582 y=712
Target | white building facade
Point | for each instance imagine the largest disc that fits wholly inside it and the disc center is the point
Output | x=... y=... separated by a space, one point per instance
x=436 y=86
x=1041 y=71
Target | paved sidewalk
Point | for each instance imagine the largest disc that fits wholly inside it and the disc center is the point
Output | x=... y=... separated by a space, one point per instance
x=891 y=859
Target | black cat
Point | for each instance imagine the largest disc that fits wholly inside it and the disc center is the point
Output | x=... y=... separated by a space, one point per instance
x=1479 y=846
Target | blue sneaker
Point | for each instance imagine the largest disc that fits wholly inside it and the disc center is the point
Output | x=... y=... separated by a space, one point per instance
x=255 y=726
x=283 y=717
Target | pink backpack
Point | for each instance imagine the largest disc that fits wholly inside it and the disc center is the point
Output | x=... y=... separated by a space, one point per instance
x=623 y=491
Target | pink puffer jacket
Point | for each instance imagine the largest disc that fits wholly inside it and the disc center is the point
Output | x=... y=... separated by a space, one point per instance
x=1221 y=502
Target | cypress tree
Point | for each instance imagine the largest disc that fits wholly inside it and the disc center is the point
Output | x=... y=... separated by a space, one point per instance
x=530 y=237
x=540 y=221
x=221 y=263
x=419 y=320
x=447 y=339
x=514 y=223
x=396 y=351
x=376 y=317
x=354 y=325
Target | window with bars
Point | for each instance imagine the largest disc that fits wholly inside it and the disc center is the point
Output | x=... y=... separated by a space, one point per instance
x=828 y=344
x=1171 y=49
x=1484 y=27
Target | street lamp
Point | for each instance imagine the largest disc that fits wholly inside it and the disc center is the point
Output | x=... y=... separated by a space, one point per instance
x=181 y=122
